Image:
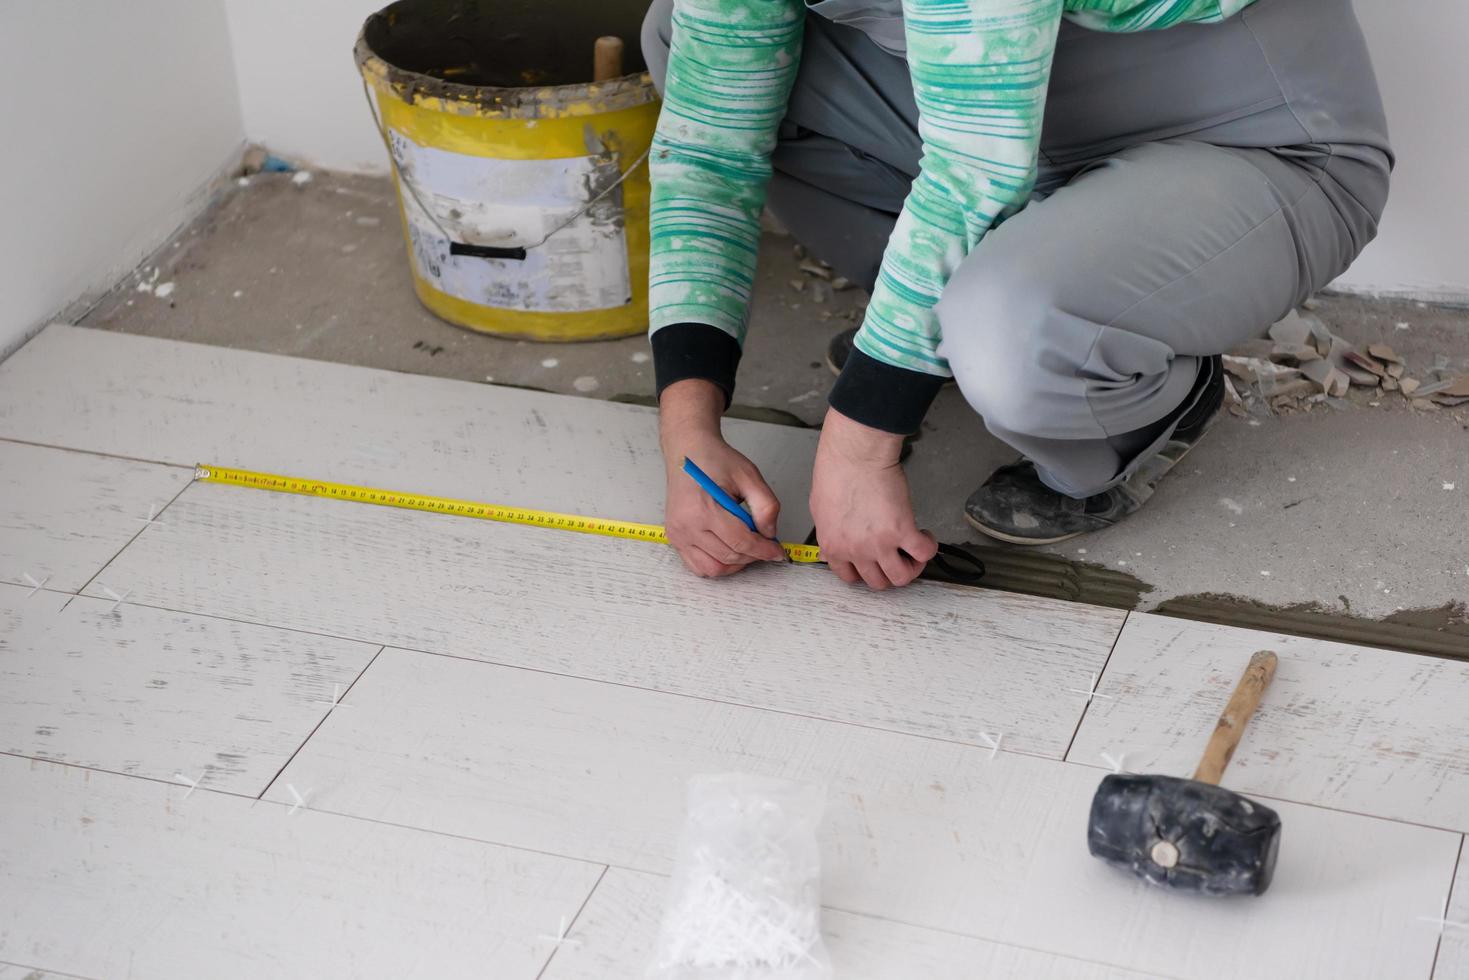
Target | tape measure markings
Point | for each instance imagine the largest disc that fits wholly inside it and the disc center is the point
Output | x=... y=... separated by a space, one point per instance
x=278 y=483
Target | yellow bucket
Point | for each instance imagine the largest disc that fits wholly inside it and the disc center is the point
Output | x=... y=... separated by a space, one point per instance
x=522 y=187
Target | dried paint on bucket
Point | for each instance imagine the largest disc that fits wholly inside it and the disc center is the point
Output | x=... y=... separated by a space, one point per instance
x=522 y=187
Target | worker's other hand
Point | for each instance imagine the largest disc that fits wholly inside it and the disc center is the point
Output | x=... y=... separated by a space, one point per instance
x=859 y=500
x=711 y=541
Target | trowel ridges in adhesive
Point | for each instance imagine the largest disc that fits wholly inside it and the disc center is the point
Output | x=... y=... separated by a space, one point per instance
x=1451 y=642
x=1044 y=574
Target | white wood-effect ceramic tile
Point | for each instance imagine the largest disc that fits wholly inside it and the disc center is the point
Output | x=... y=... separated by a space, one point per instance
x=930 y=833
x=934 y=659
x=146 y=692
x=1356 y=728
x=109 y=876
x=617 y=929
x=187 y=403
x=63 y=515
x=1453 y=949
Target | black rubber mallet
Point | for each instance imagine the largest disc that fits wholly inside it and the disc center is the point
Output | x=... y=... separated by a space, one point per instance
x=1192 y=834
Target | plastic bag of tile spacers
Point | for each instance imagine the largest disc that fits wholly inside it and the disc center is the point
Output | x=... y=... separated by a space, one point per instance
x=745 y=899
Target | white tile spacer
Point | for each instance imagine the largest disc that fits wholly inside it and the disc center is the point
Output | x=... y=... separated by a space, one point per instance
x=336 y=701
x=1443 y=923
x=1090 y=692
x=560 y=938
x=300 y=799
x=1117 y=762
x=992 y=741
x=35 y=586
x=152 y=517
x=117 y=600
x=193 y=784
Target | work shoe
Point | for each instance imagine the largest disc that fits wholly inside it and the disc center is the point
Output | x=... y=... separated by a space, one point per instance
x=840 y=349
x=1014 y=505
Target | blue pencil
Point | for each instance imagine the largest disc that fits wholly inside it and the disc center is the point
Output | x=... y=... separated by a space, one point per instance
x=717 y=492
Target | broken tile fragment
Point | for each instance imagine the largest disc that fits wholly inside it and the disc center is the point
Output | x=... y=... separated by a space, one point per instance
x=1331 y=380
x=1384 y=353
x=1261 y=349
x=1295 y=352
x=1453 y=387
x=1293 y=330
x=1364 y=363
x=1240 y=368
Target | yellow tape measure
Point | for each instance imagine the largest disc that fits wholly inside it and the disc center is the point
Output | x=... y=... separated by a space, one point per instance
x=807 y=553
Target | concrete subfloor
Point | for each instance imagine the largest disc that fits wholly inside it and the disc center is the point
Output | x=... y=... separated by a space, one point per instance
x=1354 y=508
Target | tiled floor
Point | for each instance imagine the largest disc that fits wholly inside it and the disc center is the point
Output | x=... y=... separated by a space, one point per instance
x=316 y=738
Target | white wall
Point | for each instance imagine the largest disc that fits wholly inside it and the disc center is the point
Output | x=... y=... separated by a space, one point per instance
x=1422 y=249
x=115 y=117
x=299 y=88
x=108 y=153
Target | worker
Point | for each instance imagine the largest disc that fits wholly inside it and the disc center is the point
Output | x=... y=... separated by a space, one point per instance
x=1070 y=208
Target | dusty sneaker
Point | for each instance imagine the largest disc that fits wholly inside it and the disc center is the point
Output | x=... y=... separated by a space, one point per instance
x=1014 y=505
x=840 y=349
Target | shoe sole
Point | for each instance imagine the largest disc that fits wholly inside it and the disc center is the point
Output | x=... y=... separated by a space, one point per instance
x=1015 y=539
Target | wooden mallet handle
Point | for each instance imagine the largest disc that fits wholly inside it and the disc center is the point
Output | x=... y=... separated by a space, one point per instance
x=1231 y=725
x=607 y=58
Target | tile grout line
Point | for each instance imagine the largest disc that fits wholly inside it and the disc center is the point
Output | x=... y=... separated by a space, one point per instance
x=1448 y=904
x=98 y=453
x=609 y=865
x=606 y=866
x=1126 y=617
x=108 y=564
x=577 y=915
x=695 y=697
x=1150 y=974
x=41 y=970
x=553 y=673
x=947 y=740
x=121 y=775
x=317 y=727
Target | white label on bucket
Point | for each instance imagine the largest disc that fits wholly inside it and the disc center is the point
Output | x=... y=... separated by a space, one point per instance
x=509 y=203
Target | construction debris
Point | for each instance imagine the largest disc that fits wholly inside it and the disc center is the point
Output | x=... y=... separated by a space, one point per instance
x=1302 y=364
x=815 y=267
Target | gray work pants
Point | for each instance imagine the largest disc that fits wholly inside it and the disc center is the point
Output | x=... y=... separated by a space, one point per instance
x=1195 y=184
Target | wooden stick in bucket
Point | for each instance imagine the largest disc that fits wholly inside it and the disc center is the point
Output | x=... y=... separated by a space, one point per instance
x=607 y=59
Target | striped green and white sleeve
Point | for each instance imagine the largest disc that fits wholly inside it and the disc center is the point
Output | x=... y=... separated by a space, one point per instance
x=980 y=69
x=730 y=69
x=1150 y=15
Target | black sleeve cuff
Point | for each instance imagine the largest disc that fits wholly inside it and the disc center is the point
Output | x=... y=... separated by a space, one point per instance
x=882 y=396
x=695 y=350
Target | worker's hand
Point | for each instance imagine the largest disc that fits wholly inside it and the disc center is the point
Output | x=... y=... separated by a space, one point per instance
x=864 y=516
x=711 y=541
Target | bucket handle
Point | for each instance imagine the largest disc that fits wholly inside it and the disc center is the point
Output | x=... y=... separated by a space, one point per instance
x=514 y=252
